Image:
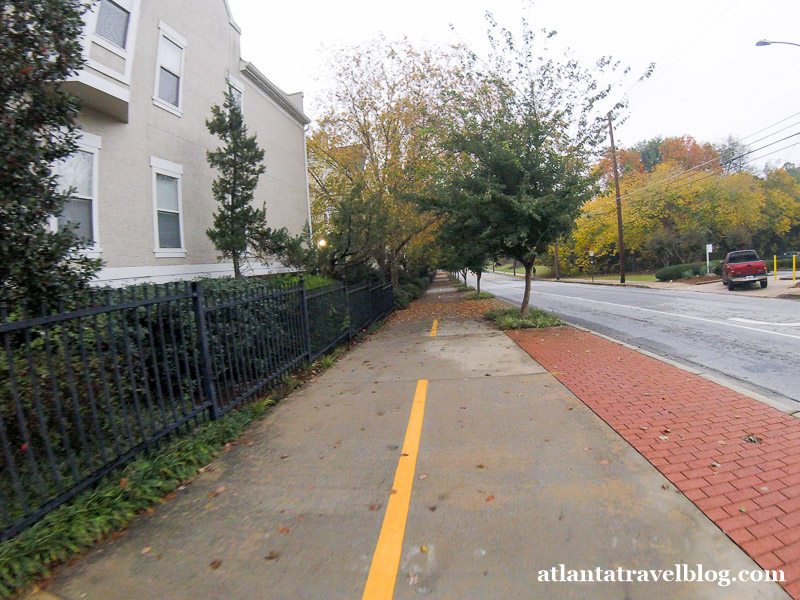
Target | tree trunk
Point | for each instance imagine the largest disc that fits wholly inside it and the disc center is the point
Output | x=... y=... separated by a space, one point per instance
x=523 y=310
x=394 y=273
x=237 y=269
x=478 y=275
x=557 y=263
x=464 y=273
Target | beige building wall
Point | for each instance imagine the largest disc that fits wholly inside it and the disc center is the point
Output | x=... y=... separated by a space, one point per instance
x=132 y=133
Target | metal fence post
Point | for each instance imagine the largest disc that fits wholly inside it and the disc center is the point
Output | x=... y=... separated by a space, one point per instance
x=371 y=304
x=206 y=369
x=347 y=308
x=305 y=319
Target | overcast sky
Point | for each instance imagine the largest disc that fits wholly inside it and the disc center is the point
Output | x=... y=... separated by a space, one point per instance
x=711 y=81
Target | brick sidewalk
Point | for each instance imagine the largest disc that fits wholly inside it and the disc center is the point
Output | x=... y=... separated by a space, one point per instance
x=693 y=431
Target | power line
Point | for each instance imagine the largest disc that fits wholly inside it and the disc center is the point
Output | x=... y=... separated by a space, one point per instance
x=710 y=175
x=684 y=44
x=680 y=174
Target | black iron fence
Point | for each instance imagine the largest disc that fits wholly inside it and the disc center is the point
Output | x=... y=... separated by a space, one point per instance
x=84 y=391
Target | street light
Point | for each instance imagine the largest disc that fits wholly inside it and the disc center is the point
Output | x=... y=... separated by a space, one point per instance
x=769 y=42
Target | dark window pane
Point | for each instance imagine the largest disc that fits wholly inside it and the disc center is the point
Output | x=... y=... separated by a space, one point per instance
x=169 y=230
x=78 y=212
x=168 y=87
x=112 y=23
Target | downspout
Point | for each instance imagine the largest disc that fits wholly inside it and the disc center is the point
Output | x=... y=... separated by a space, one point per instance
x=308 y=196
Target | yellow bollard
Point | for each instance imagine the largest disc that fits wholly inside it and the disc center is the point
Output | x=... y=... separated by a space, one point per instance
x=775 y=265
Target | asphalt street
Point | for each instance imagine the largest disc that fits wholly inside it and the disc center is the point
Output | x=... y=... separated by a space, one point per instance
x=753 y=340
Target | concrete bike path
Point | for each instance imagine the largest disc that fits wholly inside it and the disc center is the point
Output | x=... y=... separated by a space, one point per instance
x=512 y=475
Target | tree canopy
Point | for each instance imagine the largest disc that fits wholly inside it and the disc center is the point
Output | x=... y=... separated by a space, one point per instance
x=525 y=134
x=41 y=48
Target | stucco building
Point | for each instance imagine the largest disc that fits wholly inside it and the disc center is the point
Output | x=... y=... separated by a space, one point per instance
x=142 y=183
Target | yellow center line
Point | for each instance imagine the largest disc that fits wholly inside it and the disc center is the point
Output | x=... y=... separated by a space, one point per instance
x=433 y=329
x=386 y=561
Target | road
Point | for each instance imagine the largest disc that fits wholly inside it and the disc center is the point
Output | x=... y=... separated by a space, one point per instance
x=753 y=340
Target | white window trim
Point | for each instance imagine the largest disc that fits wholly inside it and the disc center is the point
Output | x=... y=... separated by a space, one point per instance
x=90 y=143
x=132 y=6
x=165 y=31
x=159 y=166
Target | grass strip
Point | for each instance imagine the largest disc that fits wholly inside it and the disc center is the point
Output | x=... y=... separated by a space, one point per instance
x=509 y=318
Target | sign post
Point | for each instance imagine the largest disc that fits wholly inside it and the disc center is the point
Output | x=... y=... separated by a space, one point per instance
x=709 y=250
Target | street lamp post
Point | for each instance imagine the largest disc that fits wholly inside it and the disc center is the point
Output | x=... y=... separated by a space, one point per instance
x=770 y=42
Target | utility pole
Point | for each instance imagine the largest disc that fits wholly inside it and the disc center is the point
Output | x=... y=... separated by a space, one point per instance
x=558 y=270
x=620 y=241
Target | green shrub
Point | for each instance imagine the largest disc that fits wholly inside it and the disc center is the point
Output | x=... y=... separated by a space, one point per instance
x=686 y=271
x=508 y=318
x=405 y=294
x=784 y=264
x=477 y=296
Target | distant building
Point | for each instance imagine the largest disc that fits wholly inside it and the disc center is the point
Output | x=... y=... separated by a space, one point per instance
x=143 y=186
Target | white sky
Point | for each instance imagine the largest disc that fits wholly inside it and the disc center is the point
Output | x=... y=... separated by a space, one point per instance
x=711 y=80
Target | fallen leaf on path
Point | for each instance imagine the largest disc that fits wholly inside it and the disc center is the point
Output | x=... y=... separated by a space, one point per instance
x=272 y=555
x=215 y=565
x=170 y=496
x=146 y=550
x=480 y=467
x=489 y=498
x=432 y=508
x=283 y=530
x=603 y=462
x=374 y=507
x=217 y=492
x=424 y=549
x=422 y=476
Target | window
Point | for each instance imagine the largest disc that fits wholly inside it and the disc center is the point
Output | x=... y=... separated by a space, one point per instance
x=169 y=74
x=168 y=220
x=236 y=88
x=78 y=173
x=112 y=23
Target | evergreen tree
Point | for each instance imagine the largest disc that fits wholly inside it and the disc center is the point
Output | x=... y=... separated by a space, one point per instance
x=40 y=49
x=240 y=164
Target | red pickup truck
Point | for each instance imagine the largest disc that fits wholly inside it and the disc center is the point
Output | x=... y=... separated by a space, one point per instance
x=743 y=267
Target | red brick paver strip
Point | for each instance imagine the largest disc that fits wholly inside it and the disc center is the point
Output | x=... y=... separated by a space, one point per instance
x=694 y=432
